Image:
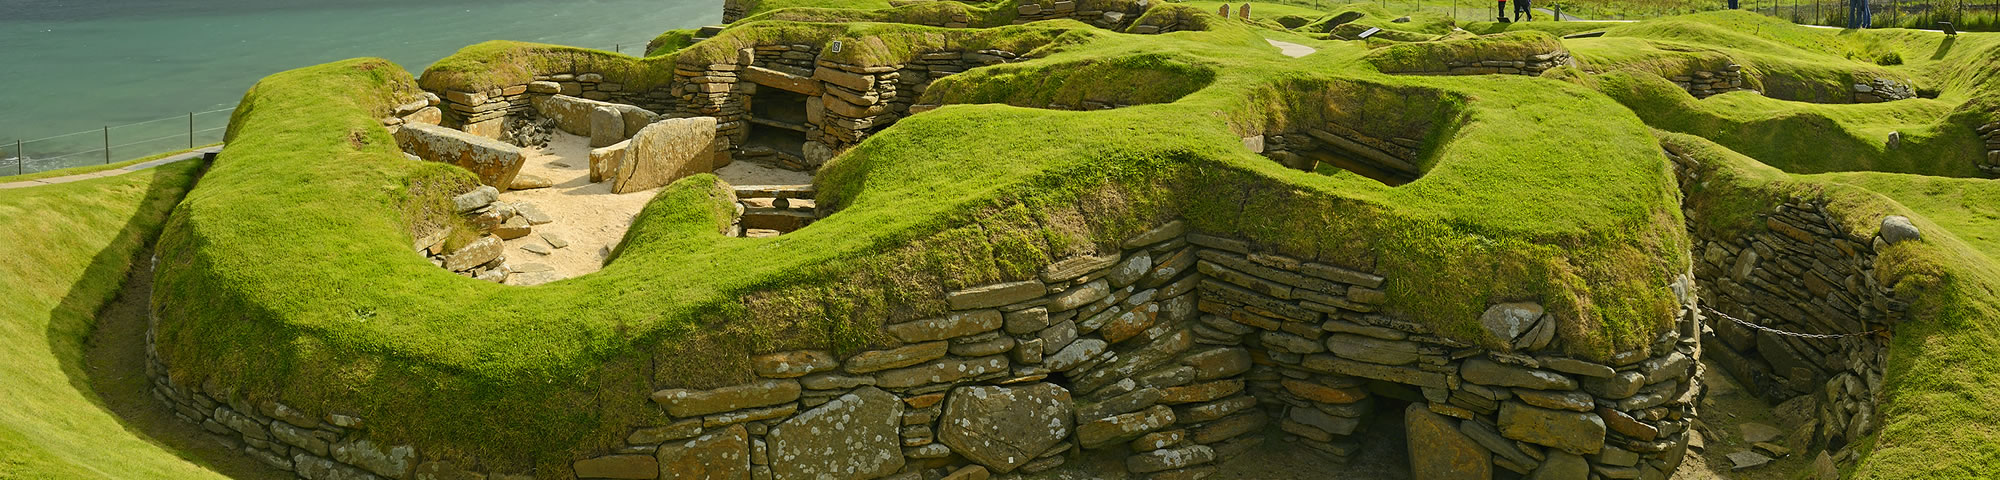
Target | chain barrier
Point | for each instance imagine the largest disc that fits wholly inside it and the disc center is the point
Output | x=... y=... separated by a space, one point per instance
x=1774 y=331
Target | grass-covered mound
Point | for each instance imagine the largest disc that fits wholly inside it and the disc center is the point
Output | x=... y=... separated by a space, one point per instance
x=69 y=248
x=1547 y=191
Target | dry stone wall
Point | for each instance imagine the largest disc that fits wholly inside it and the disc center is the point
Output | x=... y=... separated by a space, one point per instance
x=1531 y=65
x=1708 y=83
x=844 y=103
x=1173 y=353
x=1878 y=90
x=1802 y=274
x=1101 y=14
x=1990 y=134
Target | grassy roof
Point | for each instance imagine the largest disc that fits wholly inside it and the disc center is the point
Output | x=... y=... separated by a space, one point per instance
x=1534 y=188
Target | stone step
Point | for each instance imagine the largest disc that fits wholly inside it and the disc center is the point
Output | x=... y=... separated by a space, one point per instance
x=775 y=191
x=780 y=220
x=767 y=203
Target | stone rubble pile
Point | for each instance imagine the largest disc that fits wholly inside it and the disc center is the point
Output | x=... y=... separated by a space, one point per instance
x=529 y=130
x=485 y=258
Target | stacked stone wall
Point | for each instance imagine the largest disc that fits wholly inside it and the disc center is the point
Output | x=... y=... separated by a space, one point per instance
x=1802 y=273
x=1171 y=354
x=485 y=113
x=1108 y=15
x=1990 y=135
x=1708 y=83
x=1878 y=90
x=1531 y=65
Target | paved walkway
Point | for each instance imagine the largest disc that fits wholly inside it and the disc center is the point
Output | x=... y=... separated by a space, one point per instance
x=109 y=173
x=1290 y=49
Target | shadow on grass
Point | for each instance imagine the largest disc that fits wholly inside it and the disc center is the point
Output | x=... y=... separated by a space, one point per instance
x=112 y=368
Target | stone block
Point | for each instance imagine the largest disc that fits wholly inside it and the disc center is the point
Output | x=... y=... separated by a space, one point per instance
x=722 y=455
x=666 y=151
x=853 y=437
x=688 y=403
x=607 y=127
x=994 y=295
x=1004 y=428
x=1446 y=453
x=1578 y=433
x=495 y=163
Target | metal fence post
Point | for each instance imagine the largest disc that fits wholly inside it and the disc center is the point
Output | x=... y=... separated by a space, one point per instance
x=20 y=158
x=107 y=144
x=190 y=129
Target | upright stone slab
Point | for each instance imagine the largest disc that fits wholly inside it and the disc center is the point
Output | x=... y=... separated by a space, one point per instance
x=1003 y=428
x=1440 y=451
x=494 y=162
x=666 y=151
x=573 y=115
x=604 y=161
x=852 y=437
x=606 y=127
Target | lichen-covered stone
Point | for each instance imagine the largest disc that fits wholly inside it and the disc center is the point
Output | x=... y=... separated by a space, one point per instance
x=907 y=355
x=681 y=402
x=494 y=162
x=1004 y=428
x=957 y=324
x=855 y=436
x=666 y=151
x=792 y=364
x=995 y=295
x=723 y=455
x=1099 y=432
x=627 y=467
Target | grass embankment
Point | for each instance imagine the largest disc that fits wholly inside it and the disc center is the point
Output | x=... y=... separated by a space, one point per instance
x=1940 y=381
x=1546 y=192
x=1788 y=61
x=69 y=247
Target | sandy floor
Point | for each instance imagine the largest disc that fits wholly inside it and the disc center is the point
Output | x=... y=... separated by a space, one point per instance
x=758 y=173
x=587 y=215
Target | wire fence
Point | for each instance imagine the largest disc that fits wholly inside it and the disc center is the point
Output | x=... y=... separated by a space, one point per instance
x=114 y=143
x=117 y=143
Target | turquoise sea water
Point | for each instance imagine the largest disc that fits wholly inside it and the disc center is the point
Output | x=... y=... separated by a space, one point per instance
x=78 y=65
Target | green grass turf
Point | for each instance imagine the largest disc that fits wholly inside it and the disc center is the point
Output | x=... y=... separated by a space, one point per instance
x=1596 y=239
x=1535 y=188
x=69 y=247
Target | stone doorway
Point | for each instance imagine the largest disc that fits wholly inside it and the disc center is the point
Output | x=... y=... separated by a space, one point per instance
x=778 y=124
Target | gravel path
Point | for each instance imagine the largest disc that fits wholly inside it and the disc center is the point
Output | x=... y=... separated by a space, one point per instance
x=1290 y=49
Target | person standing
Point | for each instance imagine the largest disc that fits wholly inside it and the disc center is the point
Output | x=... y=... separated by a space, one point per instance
x=1521 y=8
